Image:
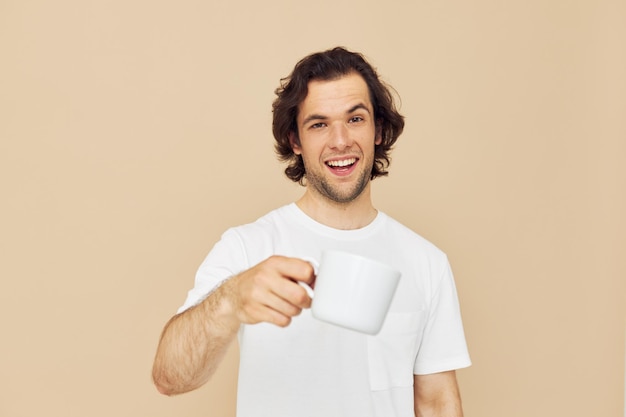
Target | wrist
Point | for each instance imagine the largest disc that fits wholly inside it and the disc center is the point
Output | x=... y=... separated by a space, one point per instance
x=221 y=305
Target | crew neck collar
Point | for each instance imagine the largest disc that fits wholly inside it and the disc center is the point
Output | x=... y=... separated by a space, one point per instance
x=305 y=220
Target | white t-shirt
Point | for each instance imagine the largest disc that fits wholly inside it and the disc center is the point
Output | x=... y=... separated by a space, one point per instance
x=315 y=369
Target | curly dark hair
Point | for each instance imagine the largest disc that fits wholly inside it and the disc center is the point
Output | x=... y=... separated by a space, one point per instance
x=330 y=65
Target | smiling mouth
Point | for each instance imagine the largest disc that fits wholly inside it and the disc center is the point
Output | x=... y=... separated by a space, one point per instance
x=342 y=163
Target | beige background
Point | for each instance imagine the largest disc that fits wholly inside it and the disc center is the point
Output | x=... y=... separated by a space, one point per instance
x=132 y=133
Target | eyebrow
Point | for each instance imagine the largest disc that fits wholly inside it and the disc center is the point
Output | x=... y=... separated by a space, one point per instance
x=350 y=111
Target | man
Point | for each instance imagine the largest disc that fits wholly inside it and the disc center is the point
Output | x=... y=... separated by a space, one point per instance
x=334 y=123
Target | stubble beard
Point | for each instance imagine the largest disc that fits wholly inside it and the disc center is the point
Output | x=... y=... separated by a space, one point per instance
x=334 y=193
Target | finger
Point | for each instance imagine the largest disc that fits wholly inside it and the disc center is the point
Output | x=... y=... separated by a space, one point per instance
x=283 y=305
x=284 y=295
x=294 y=268
x=263 y=314
x=293 y=294
x=273 y=292
x=268 y=292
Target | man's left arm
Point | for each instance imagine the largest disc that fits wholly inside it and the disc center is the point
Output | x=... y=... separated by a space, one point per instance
x=437 y=395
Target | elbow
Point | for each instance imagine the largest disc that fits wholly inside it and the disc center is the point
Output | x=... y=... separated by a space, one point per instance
x=168 y=386
x=165 y=390
x=171 y=390
x=162 y=385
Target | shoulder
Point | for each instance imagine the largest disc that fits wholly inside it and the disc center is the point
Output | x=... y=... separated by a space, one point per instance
x=410 y=239
x=264 y=225
x=258 y=238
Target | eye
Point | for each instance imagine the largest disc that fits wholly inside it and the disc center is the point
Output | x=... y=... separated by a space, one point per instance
x=356 y=119
x=317 y=125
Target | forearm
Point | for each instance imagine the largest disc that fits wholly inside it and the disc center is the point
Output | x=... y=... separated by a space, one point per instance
x=441 y=409
x=193 y=344
x=437 y=395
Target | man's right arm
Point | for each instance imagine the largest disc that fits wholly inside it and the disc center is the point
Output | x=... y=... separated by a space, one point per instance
x=194 y=342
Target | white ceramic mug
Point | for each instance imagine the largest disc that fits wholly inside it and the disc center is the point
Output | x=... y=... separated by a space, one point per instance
x=353 y=291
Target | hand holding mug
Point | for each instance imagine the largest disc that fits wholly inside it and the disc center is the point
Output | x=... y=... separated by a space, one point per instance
x=267 y=292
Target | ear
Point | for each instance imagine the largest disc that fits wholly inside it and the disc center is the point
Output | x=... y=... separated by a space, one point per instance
x=295 y=143
x=378 y=139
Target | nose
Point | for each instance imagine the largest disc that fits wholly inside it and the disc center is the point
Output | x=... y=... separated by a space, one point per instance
x=339 y=137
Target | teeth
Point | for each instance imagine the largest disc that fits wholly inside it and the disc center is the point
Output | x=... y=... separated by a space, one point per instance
x=342 y=163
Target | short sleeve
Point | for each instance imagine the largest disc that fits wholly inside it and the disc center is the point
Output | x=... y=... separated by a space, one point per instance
x=443 y=346
x=226 y=258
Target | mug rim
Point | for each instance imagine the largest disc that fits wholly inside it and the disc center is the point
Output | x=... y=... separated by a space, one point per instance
x=359 y=256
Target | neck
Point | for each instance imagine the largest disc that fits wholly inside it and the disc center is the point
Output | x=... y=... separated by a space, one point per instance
x=344 y=216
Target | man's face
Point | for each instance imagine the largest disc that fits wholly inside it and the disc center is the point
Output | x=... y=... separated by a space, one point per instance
x=337 y=132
